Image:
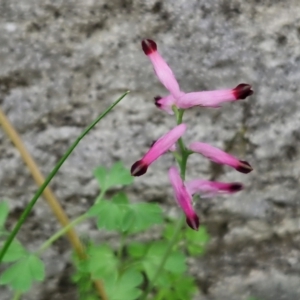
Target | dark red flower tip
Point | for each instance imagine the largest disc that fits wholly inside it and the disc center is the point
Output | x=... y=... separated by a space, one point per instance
x=236 y=187
x=244 y=167
x=156 y=101
x=242 y=91
x=148 y=46
x=193 y=222
x=152 y=144
x=138 y=168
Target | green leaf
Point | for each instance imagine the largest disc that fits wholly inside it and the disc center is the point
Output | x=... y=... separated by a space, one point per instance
x=109 y=215
x=185 y=287
x=180 y=288
x=136 y=249
x=197 y=241
x=4 y=210
x=128 y=221
x=82 y=278
x=112 y=214
x=175 y=262
x=144 y=215
x=125 y=287
x=118 y=175
x=169 y=231
x=14 y=252
x=37 y=268
x=20 y=275
x=102 y=261
x=120 y=198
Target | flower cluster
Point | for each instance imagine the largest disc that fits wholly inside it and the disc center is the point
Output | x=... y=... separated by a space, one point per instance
x=176 y=101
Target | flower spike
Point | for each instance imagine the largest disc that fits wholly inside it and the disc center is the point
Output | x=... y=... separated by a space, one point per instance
x=214 y=98
x=161 y=146
x=208 y=188
x=161 y=68
x=220 y=157
x=184 y=199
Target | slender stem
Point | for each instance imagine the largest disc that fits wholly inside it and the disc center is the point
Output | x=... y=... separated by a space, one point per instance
x=60 y=233
x=182 y=163
x=17 y=296
x=100 y=197
x=171 y=244
x=32 y=202
x=179 y=116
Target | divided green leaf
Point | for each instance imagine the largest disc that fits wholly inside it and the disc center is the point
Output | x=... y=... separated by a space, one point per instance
x=15 y=252
x=175 y=262
x=197 y=241
x=136 y=249
x=116 y=176
x=20 y=275
x=118 y=214
x=110 y=214
x=124 y=287
x=143 y=216
x=169 y=231
x=102 y=261
x=180 y=288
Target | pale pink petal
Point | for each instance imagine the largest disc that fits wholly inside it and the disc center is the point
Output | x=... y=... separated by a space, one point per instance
x=161 y=146
x=161 y=68
x=208 y=188
x=220 y=157
x=184 y=199
x=165 y=103
x=214 y=98
x=173 y=148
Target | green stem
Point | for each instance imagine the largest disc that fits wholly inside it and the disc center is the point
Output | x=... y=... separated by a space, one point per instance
x=63 y=230
x=17 y=296
x=184 y=159
x=100 y=197
x=60 y=233
x=171 y=244
x=178 y=114
x=32 y=202
x=182 y=163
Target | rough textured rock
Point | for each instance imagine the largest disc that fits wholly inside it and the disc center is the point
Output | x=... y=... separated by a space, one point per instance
x=64 y=62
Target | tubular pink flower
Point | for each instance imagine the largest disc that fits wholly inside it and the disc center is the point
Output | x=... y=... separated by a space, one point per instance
x=161 y=68
x=214 y=98
x=161 y=146
x=165 y=103
x=212 y=188
x=220 y=157
x=184 y=199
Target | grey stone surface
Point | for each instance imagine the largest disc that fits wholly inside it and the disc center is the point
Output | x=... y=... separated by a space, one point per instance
x=64 y=62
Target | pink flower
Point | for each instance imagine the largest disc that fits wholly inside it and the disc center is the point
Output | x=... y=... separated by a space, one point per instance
x=161 y=146
x=220 y=157
x=184 y=199
x=187 y=100
x=208 y=188
x=165 y=103
x=214 y=98
x=161 y=68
